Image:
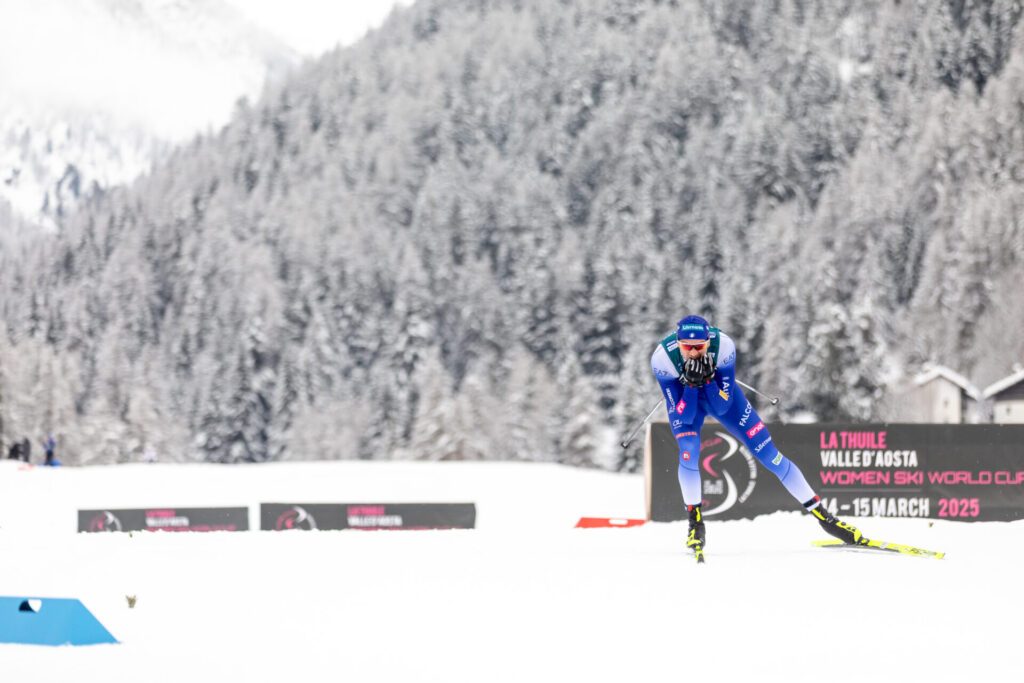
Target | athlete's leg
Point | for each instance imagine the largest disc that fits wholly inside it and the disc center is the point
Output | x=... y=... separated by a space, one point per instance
x=689 y=462
x=745 y=424
x=688 y=438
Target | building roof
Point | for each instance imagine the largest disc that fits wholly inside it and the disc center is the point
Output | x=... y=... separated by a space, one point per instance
x=1004 y=384
x=935 y=371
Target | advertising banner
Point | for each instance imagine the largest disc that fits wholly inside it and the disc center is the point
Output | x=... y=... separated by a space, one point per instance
x=958 y=472
x=164 y=519
x=367 y=516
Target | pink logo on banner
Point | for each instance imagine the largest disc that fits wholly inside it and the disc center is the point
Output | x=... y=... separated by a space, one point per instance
x=755 y=429
x=105 y=521
x=295 y=518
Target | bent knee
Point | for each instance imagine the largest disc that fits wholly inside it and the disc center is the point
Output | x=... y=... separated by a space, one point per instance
x=688 y=460
x=689 y=450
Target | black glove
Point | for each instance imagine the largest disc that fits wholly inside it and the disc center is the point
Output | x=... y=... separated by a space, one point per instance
x=709 y=368
x=698 y=371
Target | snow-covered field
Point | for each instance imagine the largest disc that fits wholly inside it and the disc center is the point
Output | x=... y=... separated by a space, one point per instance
x=523 y=597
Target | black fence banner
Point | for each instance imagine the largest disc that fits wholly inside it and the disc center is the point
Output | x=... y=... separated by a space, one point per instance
x=367 y=516
x=164 y=519
x=941 y=471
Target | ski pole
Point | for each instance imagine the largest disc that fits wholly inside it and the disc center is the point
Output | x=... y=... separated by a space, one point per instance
x=771 y=399
x=636 y=429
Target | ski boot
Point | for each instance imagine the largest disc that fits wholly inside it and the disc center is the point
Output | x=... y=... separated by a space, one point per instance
x=695 y=539
x=847 y=533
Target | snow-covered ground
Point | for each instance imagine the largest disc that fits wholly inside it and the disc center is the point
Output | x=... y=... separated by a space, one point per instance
x=523 y=597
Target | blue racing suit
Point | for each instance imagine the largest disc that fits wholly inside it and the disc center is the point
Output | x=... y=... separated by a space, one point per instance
x=722 y=398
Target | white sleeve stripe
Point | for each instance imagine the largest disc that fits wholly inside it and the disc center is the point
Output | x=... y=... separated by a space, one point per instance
x=662 y=364
x=726 y=351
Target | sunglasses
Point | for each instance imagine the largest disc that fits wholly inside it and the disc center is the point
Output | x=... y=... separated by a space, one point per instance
x=693 y=347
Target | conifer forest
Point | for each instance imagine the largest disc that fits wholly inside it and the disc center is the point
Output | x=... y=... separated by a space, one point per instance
x=462 y=237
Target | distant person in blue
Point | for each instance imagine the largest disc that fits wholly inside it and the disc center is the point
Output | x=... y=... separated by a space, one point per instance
x=50 y=445
x=696 y=368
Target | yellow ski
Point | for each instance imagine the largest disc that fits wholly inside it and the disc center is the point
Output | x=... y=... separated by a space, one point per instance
x=866 y=544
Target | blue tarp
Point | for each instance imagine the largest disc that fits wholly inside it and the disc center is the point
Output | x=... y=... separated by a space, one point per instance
x=50 y=621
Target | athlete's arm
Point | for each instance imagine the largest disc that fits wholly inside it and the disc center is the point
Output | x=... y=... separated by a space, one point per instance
x=719 y=392
x=680 y=401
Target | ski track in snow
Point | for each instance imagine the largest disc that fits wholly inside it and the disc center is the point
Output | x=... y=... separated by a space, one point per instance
x=523 y=597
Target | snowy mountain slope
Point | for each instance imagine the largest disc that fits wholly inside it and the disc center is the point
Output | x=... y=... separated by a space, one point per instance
x=92 y=92
x=54 y=158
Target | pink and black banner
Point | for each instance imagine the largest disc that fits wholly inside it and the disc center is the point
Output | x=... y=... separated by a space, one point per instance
x=164 y=519
x=366 y=516
x=958 y=472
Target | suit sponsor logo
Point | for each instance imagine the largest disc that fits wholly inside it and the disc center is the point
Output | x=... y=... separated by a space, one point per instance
x=686 y=455
x=746 y=414
x=777 y=459
x=762 y=445
x=754 y=430
x=681 y=406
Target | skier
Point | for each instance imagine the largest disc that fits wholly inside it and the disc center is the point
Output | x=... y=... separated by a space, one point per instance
x=50 y=445
x=696 y=368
